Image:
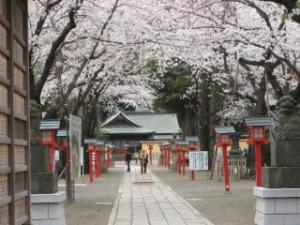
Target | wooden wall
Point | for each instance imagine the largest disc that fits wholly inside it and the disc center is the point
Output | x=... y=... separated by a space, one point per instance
x=14 y=114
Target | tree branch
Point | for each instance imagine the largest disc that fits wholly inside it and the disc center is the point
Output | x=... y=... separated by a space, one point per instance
x=52 y=54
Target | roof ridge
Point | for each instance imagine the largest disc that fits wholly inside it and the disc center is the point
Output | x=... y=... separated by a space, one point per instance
x=113 y=117
x=147 y=113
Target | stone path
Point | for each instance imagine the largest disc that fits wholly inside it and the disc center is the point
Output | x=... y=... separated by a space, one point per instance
x=152 y=204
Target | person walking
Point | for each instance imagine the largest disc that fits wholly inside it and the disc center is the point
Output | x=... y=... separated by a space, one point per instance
x=128 y=158
x=145 y=163
x=142 y=160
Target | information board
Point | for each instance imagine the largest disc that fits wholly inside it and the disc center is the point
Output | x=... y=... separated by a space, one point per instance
x=75 y=145
x=198 y=160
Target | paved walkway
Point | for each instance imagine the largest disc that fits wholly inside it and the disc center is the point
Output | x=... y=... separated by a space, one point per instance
x=152 y=204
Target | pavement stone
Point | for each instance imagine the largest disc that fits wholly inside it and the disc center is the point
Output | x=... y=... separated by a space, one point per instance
x=151 y=204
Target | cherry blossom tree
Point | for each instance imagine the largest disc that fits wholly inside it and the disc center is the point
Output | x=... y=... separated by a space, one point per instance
x=85 y=53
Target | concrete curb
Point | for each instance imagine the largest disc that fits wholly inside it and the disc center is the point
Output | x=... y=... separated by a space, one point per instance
x=114 y=211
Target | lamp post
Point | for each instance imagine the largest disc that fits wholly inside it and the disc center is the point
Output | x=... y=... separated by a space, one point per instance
x=162 y=149
x=166 y=146
x=150 y=152
x=178 y=150
x=182 y=147
x=223 y=140
x=109 y=149
x=258 y=137
x=98 y=151
x=62 y=135
x=90 y=149
x=49 y=129
x=235 y=152
x=192 y=148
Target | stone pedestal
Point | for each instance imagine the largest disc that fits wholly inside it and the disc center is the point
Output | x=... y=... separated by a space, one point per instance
x=48 y=209
x=278 y=201
x=277 y=206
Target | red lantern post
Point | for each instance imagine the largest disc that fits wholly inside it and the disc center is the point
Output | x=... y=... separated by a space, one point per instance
x=192 y=148
x=100 y=161
x=49 y=129
x=181 y=149
x=97 y=160
x=91 y=151
x=168 y=147
x=258 y=137
x=98 y=152
x=49 y=141
x=178 y=150
x=166 y=156
x=162 y=155
x=150 y=153
x=108 y=157
x=223 y=140
x=183 y=160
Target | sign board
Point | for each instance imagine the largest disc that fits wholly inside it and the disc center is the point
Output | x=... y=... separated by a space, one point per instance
x=198 y=160
x=75 y=145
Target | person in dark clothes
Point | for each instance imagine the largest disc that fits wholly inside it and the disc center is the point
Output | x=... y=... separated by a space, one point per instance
x=145 y=163
x=128 y=160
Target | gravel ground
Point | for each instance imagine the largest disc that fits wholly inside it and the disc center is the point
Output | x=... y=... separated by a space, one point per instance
x=208 y=197
x=94 y=202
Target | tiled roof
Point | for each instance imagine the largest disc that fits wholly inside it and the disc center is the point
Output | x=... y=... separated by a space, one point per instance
x=110 y=120
x=61 y=133
x=126 y=130
x=258 y=121
x=225 y=130
x=49 y=125
x=158 y=123
x=90 y=141
x=161 y=123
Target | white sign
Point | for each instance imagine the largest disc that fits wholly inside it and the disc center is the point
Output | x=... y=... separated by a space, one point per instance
x=75 y=145
x=198 y=160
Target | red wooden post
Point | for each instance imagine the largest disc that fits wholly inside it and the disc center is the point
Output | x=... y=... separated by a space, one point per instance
x=226 y=169
x=106 y=157
x=258 y=161
x=169 y=157
x=50 y=158
x=100 y=162
x=91 y=165
x=150 y=157
x=179 y=160
x=183 y=161
x=97 y=163
x=192 y=149
x=108 y=163
x=163 y=156
x=110 y=158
